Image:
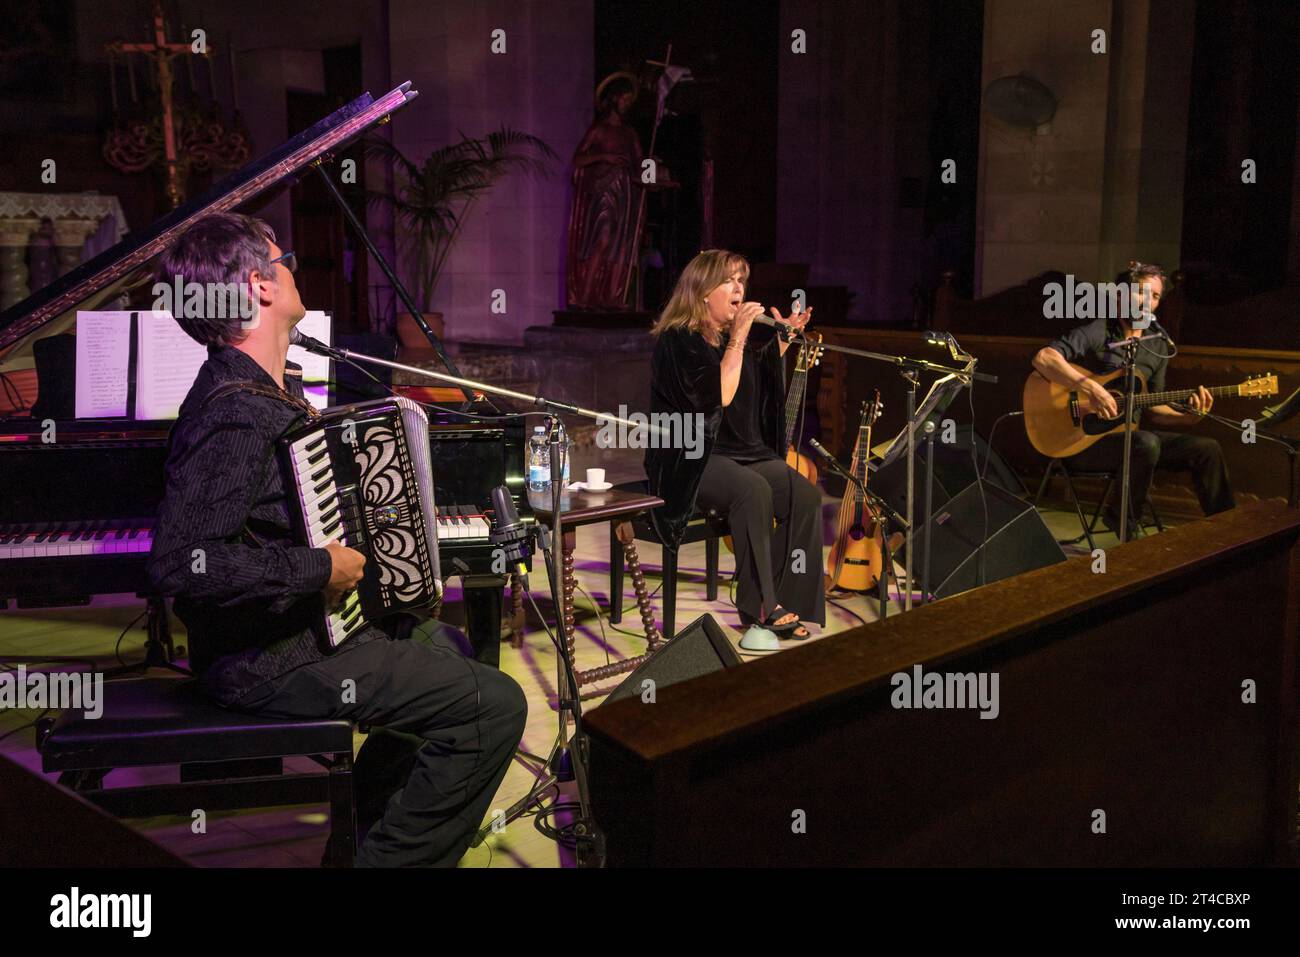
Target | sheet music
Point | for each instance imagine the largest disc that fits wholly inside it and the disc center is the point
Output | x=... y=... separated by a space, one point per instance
x=315 y=369
x=942 y=391
x=167 y=362
x=103 y=354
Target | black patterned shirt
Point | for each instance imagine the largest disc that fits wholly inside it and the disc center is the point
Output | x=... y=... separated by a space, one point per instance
x=223 y=545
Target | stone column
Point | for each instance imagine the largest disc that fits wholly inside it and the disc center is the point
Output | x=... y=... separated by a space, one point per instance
x=70 y=237
x=15 y=234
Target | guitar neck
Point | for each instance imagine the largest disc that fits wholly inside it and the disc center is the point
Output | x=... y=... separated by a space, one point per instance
x=1146 y=400
x=794 y=402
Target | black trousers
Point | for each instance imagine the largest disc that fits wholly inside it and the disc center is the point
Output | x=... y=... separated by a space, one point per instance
x=774 y=566
x=443 y=731
x=1172 y=451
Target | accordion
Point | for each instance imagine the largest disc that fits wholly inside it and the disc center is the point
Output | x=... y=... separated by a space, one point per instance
x=361 y=475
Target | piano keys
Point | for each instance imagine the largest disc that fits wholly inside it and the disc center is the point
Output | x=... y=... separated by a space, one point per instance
x=76 y=515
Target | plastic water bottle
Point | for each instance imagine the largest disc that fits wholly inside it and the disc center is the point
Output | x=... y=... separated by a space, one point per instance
x=539 y=461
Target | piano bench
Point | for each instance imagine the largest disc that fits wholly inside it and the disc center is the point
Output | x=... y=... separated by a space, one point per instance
x=227 y=759
x=708 y=526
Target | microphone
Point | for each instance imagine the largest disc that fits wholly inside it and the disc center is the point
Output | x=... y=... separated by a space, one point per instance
x=872 y=496
x=832 y=461
x=784 y=328
x=297 y=338
x=1153 y=332
x=509 y=532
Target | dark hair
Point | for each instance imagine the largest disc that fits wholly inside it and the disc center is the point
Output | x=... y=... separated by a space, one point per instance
x=218 y=252
x=1139 y=271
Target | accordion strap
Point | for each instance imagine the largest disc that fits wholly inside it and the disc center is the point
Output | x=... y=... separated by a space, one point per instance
x=257 y=388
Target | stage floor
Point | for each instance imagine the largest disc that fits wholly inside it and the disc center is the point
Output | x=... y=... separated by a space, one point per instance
x=295 y=837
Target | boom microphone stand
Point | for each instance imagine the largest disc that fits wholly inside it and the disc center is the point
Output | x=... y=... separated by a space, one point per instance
x=1129 y=348
x=909 y=369
x=589 y=840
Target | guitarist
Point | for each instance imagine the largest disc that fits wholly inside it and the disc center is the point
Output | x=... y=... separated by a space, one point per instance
x=1152 y=447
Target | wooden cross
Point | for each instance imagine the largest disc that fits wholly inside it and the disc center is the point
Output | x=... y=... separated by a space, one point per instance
x=162 y=53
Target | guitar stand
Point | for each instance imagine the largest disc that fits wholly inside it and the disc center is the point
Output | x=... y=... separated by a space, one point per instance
x=887 y=560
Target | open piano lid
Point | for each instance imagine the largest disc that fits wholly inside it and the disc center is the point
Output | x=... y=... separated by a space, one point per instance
x=103 y=277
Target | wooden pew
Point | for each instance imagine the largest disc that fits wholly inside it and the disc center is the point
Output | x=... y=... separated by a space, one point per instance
x=1119 y=693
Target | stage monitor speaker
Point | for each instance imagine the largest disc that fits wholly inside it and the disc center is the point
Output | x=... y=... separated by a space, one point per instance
x=699 y=649
x=1018 y=541
x=953 y=471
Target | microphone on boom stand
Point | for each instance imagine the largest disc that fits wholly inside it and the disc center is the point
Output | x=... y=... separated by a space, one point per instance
x=844 y=473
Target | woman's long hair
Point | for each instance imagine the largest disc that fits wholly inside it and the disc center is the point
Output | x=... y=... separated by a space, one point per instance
x=703 y=274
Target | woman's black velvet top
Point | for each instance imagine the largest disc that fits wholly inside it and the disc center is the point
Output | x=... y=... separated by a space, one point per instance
x=686 y=379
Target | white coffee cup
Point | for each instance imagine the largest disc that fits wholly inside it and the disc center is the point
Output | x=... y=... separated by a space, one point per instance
x=595 y=477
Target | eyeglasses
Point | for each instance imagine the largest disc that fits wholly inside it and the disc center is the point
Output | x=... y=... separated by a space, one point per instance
x=289 y=259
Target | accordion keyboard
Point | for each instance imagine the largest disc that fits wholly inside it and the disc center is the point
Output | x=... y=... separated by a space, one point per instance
x=323 y=521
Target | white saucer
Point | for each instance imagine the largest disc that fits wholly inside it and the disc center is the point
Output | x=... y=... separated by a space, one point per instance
x=584 y=487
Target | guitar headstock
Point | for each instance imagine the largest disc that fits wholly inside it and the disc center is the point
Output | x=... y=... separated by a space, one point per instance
x=872 y=410
x=810 y=353
x=1259 y=386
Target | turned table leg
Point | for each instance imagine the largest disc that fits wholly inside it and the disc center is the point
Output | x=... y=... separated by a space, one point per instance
x=627 y=538
x=570 y=583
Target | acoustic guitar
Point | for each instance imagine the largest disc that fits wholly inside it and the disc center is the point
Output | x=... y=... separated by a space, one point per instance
x=1062 y=422
x=810 y=353
x=856 y=560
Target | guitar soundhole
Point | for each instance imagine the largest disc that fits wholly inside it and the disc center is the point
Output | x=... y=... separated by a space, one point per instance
x=857 y=533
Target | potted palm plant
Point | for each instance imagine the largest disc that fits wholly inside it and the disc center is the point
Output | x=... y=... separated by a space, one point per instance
x=433 y=199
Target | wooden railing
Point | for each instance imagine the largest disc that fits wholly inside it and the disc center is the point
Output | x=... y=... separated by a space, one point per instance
x=1146 y=716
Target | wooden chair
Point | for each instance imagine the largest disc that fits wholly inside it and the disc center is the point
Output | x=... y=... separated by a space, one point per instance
x=1089 y=526
x=706 y=526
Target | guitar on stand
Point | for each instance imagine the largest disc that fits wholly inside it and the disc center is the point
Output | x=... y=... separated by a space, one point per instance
x=858 y=557
x=810 y=353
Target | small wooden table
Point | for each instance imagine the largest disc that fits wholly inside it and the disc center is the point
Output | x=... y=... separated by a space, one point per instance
x=588 y=508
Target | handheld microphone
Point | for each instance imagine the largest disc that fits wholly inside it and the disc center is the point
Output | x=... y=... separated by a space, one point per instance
x=509 y=533
x=787 y=330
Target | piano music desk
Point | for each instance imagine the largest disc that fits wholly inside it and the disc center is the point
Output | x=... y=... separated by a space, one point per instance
x=588 y=508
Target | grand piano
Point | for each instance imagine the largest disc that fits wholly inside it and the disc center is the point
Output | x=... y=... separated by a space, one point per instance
x=78 y=497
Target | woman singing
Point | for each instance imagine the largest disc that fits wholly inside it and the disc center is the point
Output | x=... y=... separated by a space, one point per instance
x=711 y=360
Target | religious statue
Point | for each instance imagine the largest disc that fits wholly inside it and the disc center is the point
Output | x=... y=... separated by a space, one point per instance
x=605 y=220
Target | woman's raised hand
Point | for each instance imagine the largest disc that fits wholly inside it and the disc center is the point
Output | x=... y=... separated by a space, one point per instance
x=799 y=316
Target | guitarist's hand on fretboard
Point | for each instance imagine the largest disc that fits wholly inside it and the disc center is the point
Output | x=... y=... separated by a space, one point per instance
x=1201 y=402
